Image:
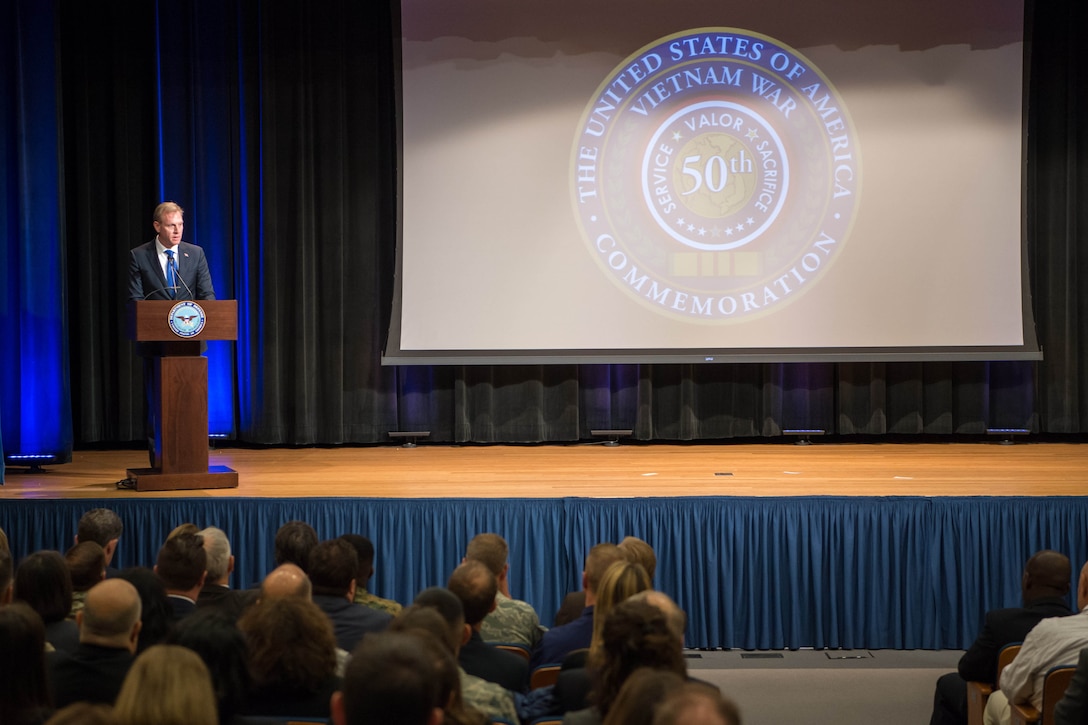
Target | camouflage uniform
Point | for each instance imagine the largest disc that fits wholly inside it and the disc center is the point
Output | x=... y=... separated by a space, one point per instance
x=494 y=701
x=362 y=596
x=512 y=622
x=78 y=599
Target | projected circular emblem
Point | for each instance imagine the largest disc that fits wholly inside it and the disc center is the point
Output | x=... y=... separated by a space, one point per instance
x=187 y=319
x=715 y=174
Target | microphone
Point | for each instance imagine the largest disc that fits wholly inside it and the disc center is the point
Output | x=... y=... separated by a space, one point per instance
x=178 y=277
x=158 y=289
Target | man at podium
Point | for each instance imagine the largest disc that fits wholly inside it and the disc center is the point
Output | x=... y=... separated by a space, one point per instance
x=165 y=268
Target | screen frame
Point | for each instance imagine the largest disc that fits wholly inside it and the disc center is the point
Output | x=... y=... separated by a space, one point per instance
x=393 y=354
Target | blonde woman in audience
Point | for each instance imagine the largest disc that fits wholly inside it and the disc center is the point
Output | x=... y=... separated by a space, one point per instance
x=167 y=685
x=83 y=713
x=639 y=552
x=620 y=581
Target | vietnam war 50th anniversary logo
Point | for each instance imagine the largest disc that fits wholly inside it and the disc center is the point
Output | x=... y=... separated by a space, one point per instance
x=715 y=175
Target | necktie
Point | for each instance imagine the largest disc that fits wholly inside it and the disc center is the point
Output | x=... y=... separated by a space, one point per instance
x=171 y=274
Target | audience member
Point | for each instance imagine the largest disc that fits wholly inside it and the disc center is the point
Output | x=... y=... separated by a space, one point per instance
x=212 y=634
x=292 y=658
x=104 y=527
x=186 y=528
x=475 y=585
x=429 y=626
x=570 y=608
x=620 y=581
x=7 y=575
x=83 y=713
x=4 y=546
x=1072 y=709
x=1044 y=589
x=24 y=690
x=42 y=581
x=675 y=618
x=109 y=628
x=167 y=685
x=695 y=704
x=364 y=548
x=1053 y=641
x=333 y=567
x=492 y=700
x=87 y=566
x=293 y=544
x=641 y=695
x=286 y=580
x=560 y=641
x=513 y=621
x=636 y=634
x=156 y=613
x=389 y=680
x=216 y=592
x=638 y=551
x=182 y=566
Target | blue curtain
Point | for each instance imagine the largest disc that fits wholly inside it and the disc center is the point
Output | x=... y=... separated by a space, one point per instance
x=34 y=387
x=751 y=573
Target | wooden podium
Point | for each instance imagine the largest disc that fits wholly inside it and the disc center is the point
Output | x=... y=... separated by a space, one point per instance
x=180 y=392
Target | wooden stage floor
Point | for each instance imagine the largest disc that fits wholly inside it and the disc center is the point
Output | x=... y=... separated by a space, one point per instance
x=597 y=471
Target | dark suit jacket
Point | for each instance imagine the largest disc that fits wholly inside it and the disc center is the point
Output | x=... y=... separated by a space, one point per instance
x=223 y=599
x=63 y=635
x=1003 y=627
x=350 y=620
x=558 y=642
x=494 y=665
x=182 y=607
x=1073 y=708
x=146 y=280
x=90 y=673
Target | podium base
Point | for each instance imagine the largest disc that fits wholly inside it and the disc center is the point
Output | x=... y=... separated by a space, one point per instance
x=153 y=479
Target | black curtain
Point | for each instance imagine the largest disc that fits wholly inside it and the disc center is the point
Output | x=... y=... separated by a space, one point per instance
x=274 y=125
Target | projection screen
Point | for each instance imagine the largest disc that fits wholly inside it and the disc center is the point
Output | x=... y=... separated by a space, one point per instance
x=695 y=181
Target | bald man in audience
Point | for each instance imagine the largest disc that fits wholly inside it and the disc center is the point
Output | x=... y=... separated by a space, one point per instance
x=109 y=630
x=1051 y=643
x=558 y=642
x=1044 y=588
x=286 y=580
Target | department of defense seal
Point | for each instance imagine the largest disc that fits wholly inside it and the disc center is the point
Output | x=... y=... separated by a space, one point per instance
x=187 y=319
x=715 y=174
